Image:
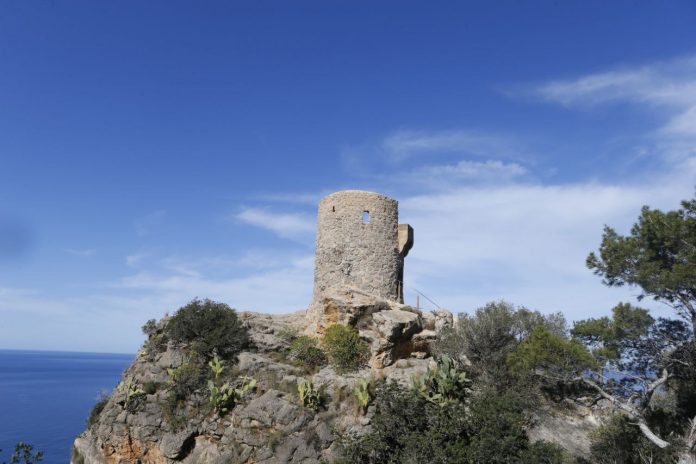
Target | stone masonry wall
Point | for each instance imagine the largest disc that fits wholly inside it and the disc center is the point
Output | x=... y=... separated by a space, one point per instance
x=357 y=245
x=357 y=253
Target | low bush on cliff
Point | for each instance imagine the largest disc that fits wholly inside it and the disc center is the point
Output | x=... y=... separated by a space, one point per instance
x=207 y=328
x=344 y=348
x=96 y=411
x=407 y=427
x=619 y=441
x=486 y=339
x=306 y=350
x=24 y=454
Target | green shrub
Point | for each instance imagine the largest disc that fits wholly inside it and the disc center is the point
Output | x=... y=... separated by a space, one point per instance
x=150 y=388
x=620 y=441
x=24 y=454
x=150 y=328
x=288 y=334
x=186 y=379
x=173 y=411
x=208 y=328
x=406 y=428
x=156 y=339
x=96 y=411
x=306 y=350
x=486 y=338
x=345 y=350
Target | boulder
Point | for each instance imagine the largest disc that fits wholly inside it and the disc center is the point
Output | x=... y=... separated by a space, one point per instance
x=389 y=334
x=176 y=445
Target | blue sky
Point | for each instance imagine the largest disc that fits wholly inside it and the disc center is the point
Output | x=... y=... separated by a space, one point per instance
x=152 y=152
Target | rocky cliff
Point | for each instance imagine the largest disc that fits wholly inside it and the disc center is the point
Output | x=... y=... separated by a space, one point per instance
x=141 y=423
x=270 y=424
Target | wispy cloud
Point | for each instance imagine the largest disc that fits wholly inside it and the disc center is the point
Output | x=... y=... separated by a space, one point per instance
x=441 y=176
x=669 y=85
x=527 y=242
x=279 y=289
x=285 y=225
x=135 y=259
x=404 y=144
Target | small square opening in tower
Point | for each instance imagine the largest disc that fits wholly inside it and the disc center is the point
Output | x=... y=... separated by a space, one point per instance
x=365 y=217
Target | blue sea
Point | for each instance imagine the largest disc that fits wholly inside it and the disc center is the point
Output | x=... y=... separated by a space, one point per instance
x=46 y=397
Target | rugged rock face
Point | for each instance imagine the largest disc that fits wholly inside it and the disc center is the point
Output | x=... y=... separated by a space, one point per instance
x=270 y=425
x=393 y=330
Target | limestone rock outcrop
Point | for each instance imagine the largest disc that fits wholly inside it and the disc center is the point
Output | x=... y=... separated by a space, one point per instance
x=269 y=427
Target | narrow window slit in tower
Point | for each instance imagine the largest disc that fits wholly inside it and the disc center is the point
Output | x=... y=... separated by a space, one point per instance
x=333 y=209
x=366 y=217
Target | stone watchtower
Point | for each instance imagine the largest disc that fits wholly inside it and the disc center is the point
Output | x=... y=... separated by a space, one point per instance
x=360 y=250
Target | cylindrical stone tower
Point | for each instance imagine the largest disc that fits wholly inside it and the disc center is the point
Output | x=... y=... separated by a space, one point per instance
x=360 y=248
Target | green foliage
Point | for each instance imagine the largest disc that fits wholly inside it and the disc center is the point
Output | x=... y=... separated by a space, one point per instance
x=186 y=379
x=216 y=365
x=362 y=394
x=310 y=397
x=486 y=338
x=443 y=384
x=96 y=411
x=208 y=328
x=658 y=256
x=150 y=387
x=406 y=428
x=24 y=454
x=344 y=348
x=173 y=411
x=150 y=328
x=619 y=441
x=156 y=339
x=224 y=397
x=607 y=337
x=288 y=334
x=554 y=355
x=306 y=350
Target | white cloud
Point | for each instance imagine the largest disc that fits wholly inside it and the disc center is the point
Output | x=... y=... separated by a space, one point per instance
x=286 y=225
x=439 y=176
x=527 y=242
x=282 y=289
x=670 y=85
x=135 y=260
x=404 y=144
